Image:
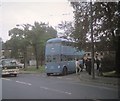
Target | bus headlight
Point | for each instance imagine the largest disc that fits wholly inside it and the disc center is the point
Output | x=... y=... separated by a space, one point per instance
x=58 y=66
x=45 y=67
x=17 y=67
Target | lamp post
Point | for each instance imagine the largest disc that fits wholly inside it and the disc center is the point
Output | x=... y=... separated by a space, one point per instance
x=92 y=40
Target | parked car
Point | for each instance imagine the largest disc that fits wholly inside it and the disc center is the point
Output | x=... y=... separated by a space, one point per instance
x=9 y=67
x=20 y=65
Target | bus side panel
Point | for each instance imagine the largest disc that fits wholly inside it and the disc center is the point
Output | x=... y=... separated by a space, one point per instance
x=71 y=66
x=54 y=67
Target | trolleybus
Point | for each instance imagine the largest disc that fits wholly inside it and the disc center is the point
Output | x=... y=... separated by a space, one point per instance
x=60 y=56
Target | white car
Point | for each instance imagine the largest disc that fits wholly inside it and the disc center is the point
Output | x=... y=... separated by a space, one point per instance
x=9 y=67
x=20 y=64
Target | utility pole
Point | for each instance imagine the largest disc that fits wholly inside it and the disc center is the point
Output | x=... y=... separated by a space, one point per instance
x=92 y=40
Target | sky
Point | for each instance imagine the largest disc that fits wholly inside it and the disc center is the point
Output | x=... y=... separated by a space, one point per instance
x=13 y=12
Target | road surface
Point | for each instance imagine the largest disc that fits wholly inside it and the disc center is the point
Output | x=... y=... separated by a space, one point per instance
x=40 y=86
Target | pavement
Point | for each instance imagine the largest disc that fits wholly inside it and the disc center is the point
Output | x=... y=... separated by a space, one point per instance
x=111 y=81
x=85 y=77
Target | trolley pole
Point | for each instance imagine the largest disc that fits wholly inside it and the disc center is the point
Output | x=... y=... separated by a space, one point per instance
x=92 y=40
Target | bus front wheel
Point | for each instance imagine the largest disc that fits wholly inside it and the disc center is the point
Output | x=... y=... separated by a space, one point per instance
x=64 y=71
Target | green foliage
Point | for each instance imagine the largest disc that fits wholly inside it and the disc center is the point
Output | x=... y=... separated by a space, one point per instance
x=107 y=16
x=108 y=63
x=66 y=29
x=33 y=69
x=38 y=36
x=15 y=42
x=105 y=23
x=82 y=20
x=106 y=19
x=30 y=37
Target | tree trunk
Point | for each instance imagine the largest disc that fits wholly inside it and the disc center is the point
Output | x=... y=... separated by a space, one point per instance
x=36 y=56
x=118 y=55
x=25 y=58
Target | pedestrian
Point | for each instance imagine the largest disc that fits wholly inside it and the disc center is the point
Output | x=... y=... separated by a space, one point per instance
x=97 y=63
x=89 y=66
x=81 y=64
x=77 y=64
x=86 y=64
x=100 y=68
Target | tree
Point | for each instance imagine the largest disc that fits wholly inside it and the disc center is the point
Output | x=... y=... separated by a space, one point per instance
x=30 y=37
x=38 y=36
x=105 y=24
x=66 y=29
x=105 y=21
x=19 y=41
x=81 y=25
x=118 y=44
x=14 y=42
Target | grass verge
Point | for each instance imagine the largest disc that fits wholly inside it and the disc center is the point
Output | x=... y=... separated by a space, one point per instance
x=41 y=69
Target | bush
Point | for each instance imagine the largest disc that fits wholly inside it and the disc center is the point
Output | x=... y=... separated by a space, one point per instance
x=108 y=63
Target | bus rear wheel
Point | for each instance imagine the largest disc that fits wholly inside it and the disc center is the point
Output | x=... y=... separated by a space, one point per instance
x=48 y=74
x=65 y=72
x=15 y=75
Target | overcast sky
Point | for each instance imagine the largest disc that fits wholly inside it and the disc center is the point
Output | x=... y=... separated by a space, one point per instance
x=29 y=11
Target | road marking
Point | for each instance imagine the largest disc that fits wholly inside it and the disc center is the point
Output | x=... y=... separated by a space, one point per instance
x=59 y=77
x=55 y=90
x=6 y=79
x=68 y=93
x=69 y=78
x=18 y=81
x=44 y=87
x=24 y=83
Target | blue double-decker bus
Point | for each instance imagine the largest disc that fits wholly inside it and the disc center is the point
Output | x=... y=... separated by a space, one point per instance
x=60 y=56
